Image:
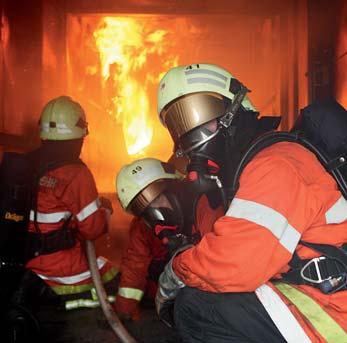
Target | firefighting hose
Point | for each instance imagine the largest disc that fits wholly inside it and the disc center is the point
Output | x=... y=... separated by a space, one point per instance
x=116 y=325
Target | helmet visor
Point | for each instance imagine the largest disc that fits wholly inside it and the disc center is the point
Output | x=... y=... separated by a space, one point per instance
x=146 y=196
x=191 y=111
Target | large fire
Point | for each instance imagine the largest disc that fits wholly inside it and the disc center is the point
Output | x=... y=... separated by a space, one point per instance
x=114 y=64
x=124 y=47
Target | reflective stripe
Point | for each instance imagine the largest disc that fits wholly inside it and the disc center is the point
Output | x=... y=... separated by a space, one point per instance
x=75 y=289
x=267 y=217
x=337 y=213
x=207 y=80
x=58 y=216
x=321 y=321
x=88 y=210
x=280 y=314
x=130 y=293
x=49 y=217
x=69 y=280
x=45 y=127
x=63 y=128
x=206 y=71
x=78 y=303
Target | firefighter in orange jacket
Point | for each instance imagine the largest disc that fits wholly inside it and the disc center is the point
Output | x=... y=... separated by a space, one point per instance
x=67 y=210
x=154 y=192
x=285 y=198
x=141 y=265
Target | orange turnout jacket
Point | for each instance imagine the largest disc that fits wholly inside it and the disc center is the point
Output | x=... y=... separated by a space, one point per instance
x=145 y=259
x=285 y=195
x=67 y=191
x=144 y=249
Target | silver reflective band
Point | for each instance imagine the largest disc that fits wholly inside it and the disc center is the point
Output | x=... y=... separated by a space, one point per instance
x=88 y=210
x=206 y=71
x=70 y=280
x=207 y=80
x=62 y=128
x=280 y=314
x=267 y=217
x=46 y=218
x=338 y=212
x=45 y=127
x=78 y=303
x=130 y=293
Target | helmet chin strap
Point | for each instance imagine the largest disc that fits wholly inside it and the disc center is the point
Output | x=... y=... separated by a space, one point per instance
x=240 y=92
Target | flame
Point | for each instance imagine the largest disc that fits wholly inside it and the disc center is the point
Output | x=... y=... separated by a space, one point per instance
x=124 y=46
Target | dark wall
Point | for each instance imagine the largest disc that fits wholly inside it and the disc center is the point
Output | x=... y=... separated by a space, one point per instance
x=323 y=28
x=21 y=66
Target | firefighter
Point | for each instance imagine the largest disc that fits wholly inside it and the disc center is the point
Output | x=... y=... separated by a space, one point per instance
x=67 y=210
x=154 y=192
x=137 y=185
x=223 y=287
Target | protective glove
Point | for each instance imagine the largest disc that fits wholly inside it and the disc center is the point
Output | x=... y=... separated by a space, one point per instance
x=169 y=286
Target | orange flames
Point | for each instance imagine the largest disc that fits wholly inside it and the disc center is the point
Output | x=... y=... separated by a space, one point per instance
x=113 y=69
x=124 y=47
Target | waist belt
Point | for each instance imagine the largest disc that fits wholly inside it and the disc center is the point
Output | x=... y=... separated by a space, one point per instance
x=47 y=243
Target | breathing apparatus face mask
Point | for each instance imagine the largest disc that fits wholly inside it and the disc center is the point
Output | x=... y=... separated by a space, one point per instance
x=171 y=215
x=205 y=162
x=215 y=147
x=214 y=151
x=164 y=214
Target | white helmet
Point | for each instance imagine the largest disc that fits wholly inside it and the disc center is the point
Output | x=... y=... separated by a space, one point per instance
x=192 y=95
x=139 y=183
x=63 y=119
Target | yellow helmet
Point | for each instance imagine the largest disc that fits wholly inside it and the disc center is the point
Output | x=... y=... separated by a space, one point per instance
x=200 y=90
x=63 y=119
x=140 y=182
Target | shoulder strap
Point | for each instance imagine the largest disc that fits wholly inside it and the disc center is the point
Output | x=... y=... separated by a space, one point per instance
x=258 y=145
x=270 y=138
x=328 y=250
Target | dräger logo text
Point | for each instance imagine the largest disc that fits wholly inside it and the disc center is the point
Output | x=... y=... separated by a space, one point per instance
x=13 y=216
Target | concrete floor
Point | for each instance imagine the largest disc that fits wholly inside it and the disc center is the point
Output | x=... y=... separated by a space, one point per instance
x=90 y=326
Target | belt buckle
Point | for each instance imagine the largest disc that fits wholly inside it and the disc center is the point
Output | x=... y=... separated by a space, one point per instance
x=315 y=262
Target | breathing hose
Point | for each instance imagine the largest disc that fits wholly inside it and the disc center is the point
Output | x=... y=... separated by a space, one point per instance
x=116 y=325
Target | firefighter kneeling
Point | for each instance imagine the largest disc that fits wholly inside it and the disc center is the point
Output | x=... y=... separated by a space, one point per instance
x=154 y=192
x=285 y=201
x=64 y=210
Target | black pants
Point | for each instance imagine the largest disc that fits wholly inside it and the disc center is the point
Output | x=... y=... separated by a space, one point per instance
x=223 y=317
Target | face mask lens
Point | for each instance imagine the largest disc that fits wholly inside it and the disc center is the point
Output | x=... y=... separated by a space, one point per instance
x=161 y=201
x=198 y=136
x=152 y=217
x=163 y=210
